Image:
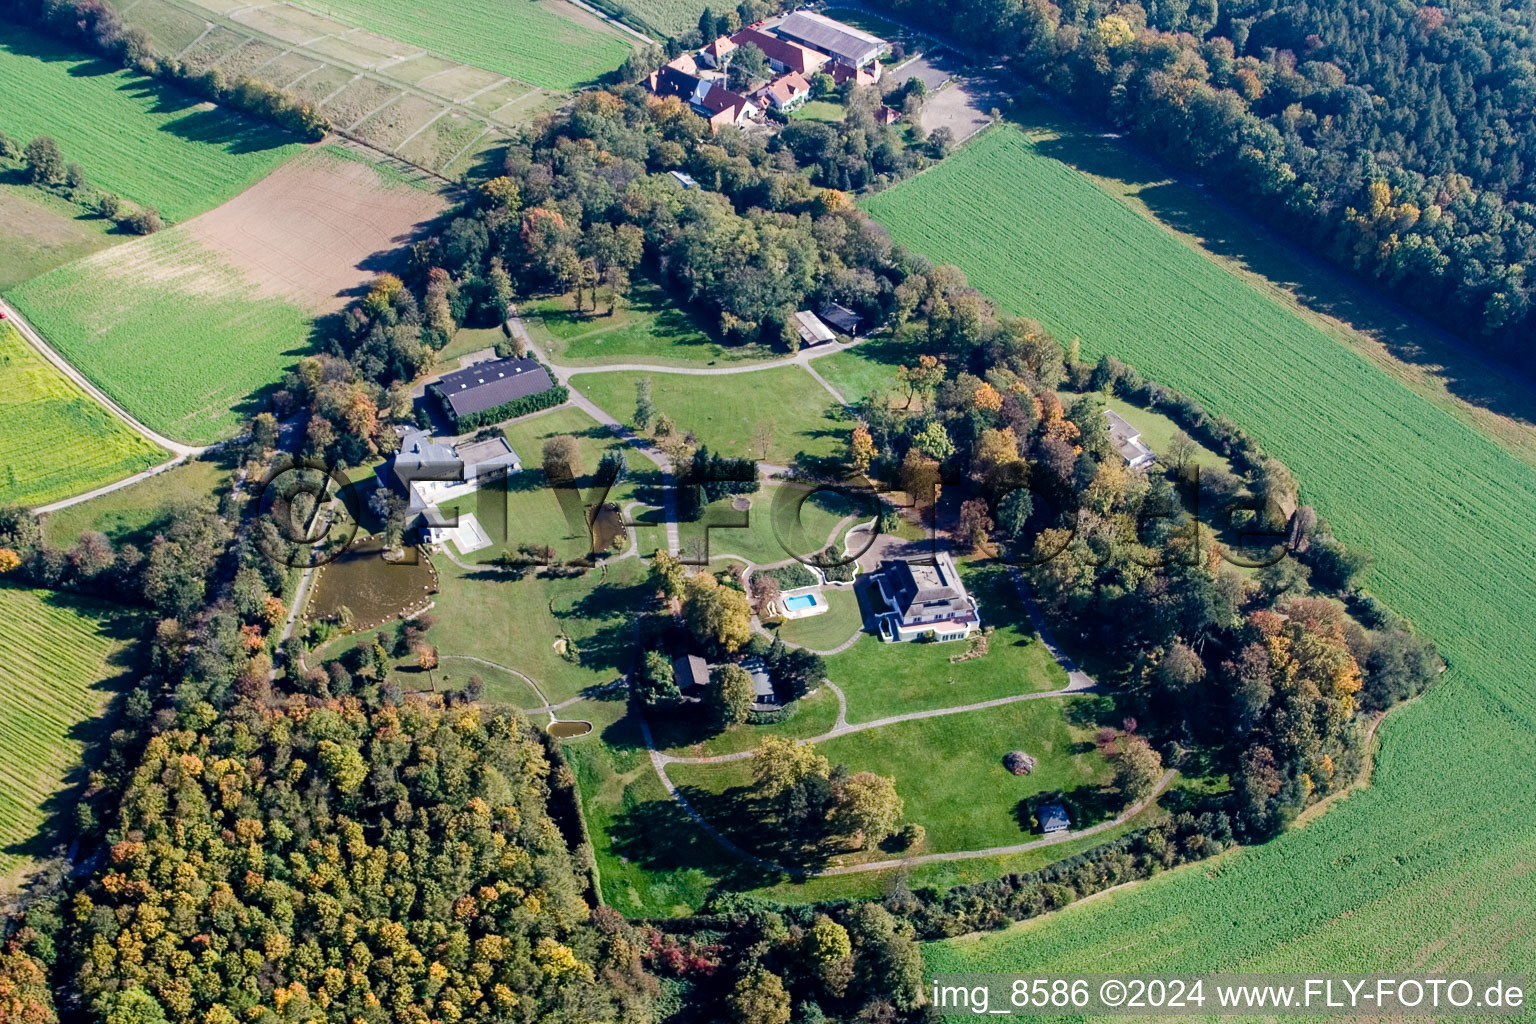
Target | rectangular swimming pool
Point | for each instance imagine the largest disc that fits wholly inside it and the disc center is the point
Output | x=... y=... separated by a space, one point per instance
x=800 y=602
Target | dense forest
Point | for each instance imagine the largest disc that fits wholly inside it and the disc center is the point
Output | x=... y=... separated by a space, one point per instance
x=1396 y=139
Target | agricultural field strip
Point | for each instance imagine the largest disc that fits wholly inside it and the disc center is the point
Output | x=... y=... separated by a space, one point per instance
x=375 y=72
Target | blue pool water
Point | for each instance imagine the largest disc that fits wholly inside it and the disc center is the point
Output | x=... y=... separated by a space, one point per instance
x=800 y=602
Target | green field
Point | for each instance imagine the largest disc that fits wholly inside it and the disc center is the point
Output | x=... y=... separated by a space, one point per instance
x=665 y=17
x=819 y=110
x=132 y=514
x=515 y=623
x=133 y=135
x=56 y=653
x=649 y=326
x=59 y=441
x=162 y=325
x=1440 y=848
x=545 y=44
x=727 y=412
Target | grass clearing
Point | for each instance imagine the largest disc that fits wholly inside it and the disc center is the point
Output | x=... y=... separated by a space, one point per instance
x=1425 y=862
x=860 y=371
x=56 y=657
x=163 y=325
x=131 y=515
x=553 y=45
x=733 y=414
x=785 y=521
x=134 y=135
x=649 y=326
x=516 y=623
x=948 y=771
x=819 y=110
x=59 y=441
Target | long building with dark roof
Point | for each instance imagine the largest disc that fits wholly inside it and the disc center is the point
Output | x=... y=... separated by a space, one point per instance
x=488 y=385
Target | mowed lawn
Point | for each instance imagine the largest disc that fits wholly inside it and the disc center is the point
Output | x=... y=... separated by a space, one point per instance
x=58 y=441
x=549 y=44
x=1438 y=850
x=56 y=652
x=882 y=679
x=163 y=325
x=730 y=413
x=949 y=771
x=133 y=135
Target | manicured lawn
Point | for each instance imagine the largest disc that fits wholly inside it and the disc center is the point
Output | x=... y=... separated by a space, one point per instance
x=948 y=771
x=785 y=520
x=883 y=679
x=823 y=632
x=652 y=858
x=180 y=338
x=57 y=654
x=132 y=514
x=517 y=622
x=59 y=441
x=819 y=110
x=1445 y=510
x=547 y=44
x=733 y=413
x=529 y=510
x=43 y=231
x=651 y=325
x=864 y=369
x=134 y=135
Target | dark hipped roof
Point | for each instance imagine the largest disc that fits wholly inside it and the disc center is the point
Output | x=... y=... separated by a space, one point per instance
x=487 y=385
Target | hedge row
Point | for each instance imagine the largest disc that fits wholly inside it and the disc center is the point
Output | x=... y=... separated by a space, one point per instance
x=556 y=395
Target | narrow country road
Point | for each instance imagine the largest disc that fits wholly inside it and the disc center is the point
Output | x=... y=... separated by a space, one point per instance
x=27 y=331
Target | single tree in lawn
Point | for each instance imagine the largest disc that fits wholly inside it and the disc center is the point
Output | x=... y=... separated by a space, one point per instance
x=562 y=459
x=612 y=468
x=654 y=684
x=717 y=615
x=426 y=660
x=861 y=449
x=730 y=694
x=781 y=764
x=1181 y=448
x=645 y=410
